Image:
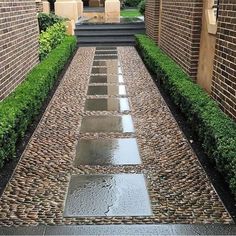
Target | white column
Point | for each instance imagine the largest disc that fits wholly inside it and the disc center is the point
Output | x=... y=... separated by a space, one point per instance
x=112 y=10
x=67 y=9
x=46 y=6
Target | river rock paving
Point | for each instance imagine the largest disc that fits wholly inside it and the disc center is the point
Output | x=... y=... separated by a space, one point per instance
x=179 y=189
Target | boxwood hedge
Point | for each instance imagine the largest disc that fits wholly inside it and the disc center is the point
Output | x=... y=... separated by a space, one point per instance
x=19 y=109
x=215 y=131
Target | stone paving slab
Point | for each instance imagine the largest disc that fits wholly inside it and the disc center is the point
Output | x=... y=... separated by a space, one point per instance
x=167 y=229
x=96 y=79
x=107 y=90
x=107 y=152
x=179 y=189
x=109 y=104
x=107 y=195
x=98 y=124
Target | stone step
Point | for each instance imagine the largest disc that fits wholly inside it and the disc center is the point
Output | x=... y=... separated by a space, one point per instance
x=107 y=33
x=105 y=39
x=158 y=229
x=95 y=44
x=93 y=27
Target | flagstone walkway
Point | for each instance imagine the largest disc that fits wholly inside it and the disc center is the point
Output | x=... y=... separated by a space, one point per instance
x=108 y=151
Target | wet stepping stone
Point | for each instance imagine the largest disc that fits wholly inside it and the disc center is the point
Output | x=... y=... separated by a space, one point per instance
x=107 y=52
x=105 y=124
x=110 y=104
x=106 y=57
x=107 y=152
x=99 y=63
x=111 y=90
x=107 y=195
x=96 y=79
x=99 y=70
x=106 y=48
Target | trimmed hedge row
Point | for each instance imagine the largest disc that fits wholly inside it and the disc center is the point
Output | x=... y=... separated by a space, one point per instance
x=19 y=109
x=51 y=38
x=215 y=131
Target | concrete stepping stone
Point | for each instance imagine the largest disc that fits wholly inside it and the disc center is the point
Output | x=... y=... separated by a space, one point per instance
x=98 y=124
x=109 y=104
x=105 y=57
x=107 y=195
x=105 y=48
x=107 y=152
x=105 y=52
x=99 y=70
x=96 y=79
x=110 y=90
x=99 y=63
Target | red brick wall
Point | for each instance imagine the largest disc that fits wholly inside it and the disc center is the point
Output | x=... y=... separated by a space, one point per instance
x=180 y=32
x=18 y=42
x=224 y=75
x=152 y=18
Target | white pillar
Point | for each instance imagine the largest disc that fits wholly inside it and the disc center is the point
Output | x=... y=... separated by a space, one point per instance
x=80 y=6
x=112 y=10
x=67 y=9
x=46 y=6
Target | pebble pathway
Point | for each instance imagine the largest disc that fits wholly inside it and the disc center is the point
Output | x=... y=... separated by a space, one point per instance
x=108 y=101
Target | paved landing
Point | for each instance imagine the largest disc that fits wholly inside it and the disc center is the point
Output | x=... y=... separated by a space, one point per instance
x=167 y=229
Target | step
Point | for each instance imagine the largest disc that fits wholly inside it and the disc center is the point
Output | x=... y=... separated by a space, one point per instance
x=117 y=44
x=107 y=33
x=105 y=39
x=109 y=27
x=161 y=229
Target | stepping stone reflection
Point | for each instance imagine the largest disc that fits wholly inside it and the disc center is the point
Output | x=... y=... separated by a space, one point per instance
x=99 y=70
x=96 y=79
x=105 y=57
x=99 y=63
x=107 y=195
x=106 y=52
x=107 y=152
x=105 y=48
x=97 y=124
x=110 y=104
x=107 y=90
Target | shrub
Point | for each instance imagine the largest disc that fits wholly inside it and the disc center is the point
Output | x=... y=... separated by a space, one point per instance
x=132 y=3
x=19 y=109
x=49 y=39
x=141 y=7
x=47 y=20
x=215 y=131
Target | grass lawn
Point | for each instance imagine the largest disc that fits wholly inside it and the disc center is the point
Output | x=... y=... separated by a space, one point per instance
x=130 y=13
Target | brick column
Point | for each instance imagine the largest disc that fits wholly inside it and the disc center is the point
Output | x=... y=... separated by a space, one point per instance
x=224 y=74
x=152 y=18
x=180 y=32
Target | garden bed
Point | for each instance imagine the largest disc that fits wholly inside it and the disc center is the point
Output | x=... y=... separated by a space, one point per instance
x=22 y=110
x=214 y=130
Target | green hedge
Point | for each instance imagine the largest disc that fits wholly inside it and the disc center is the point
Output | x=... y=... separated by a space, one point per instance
x=52 y=37
x=19 y=109
x=47 y=20
x=215 y=131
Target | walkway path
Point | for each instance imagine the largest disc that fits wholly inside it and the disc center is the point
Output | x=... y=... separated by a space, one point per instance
x=145 y=154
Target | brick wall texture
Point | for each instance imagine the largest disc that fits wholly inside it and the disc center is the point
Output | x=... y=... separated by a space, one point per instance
x=18 y=42
x=152 y=18
x=180 y=32
x=39 y=6
x=180 y=28
x=224 y=75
